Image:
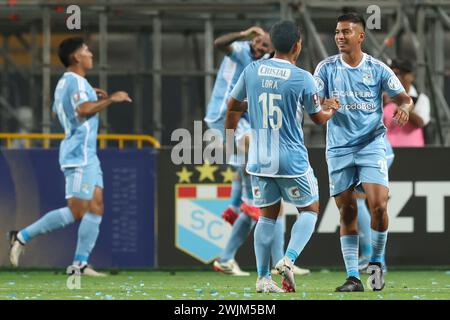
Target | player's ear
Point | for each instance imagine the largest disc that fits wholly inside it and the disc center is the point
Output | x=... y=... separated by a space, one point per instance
x=362 y=36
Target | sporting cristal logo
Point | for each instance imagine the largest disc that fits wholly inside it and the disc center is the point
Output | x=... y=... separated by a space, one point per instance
x=199 y=202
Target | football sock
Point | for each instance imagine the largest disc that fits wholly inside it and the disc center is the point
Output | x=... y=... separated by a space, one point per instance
x=239 y=233
x=87 y=236
x=277 y=249
x=379 y=240
x=365 y=240
x=301 y=232
x=349 y=248
x=51 y=221
x=263 y=237
x=236 y=194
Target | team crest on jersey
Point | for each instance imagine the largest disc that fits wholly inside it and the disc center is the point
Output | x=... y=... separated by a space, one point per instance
x=319 y=83
x=394 y=83
x=294 y=193
x=367 y=78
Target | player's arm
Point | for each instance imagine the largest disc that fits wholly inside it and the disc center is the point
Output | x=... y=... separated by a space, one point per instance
x=92 y=107
x=405 y=106
x=235 y=109
x=223 y=43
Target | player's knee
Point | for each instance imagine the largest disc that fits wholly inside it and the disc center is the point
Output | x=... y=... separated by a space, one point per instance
x=379 y=211
x=348 y=212
x=97 y=208
x=77 y=211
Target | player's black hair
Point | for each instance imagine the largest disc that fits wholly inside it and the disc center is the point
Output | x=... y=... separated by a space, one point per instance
x=353 y=17
x=284 y=34
x=67 y=47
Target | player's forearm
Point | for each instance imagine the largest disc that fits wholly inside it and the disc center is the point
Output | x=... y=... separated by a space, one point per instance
x=404 y=101
x=232 y=119
x=223 y=42
x=90 y=108
x=322 y=117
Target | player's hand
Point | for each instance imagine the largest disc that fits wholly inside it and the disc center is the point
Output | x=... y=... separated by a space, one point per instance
x=401 y=115
x=120 y=96
x=332 y=103
x=101 y=94
x=252 y=32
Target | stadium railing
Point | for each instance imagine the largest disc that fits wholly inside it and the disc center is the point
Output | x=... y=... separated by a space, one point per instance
x=27 y=138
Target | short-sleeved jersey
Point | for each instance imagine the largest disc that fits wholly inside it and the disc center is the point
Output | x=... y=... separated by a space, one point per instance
x=79 y=147
x=359 y=90
x=227 y=76
x=278 y=94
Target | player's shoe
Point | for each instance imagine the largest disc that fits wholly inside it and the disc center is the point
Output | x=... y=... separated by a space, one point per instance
x=363 y=263
x=252 y=211
x=229 y=267
x=376 y=279
x=285 y=268
x=351 y=284
x=230 y=216
x=267 y=285
x=297 y=271
x=85 y=270
x=16 y=248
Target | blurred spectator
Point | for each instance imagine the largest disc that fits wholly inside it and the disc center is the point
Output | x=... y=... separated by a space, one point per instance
x=412 y=133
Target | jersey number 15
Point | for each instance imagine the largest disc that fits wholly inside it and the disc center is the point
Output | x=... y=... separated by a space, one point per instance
x=270 y=109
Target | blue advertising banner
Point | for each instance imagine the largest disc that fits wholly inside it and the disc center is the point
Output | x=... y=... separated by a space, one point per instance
x=32 y=184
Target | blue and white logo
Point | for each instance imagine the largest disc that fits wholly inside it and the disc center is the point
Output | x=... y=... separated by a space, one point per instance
x=200 y=230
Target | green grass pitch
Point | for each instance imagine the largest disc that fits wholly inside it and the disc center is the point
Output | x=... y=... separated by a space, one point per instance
x=210 y=285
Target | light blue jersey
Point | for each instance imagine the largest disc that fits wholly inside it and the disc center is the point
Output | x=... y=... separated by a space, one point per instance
x=278 y=93
x=359 y=89
x=229 y=72
x=79 y=147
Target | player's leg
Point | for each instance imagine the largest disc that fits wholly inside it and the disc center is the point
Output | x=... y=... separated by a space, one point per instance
x=373 y=174
x=267 y=197
x=365 y=240
x=89 y=227
x=52 y=220
x=377 y=196
x=277 y=249
x=304 y=194
x=343 y=178
x=348 y=211
x=244 y=223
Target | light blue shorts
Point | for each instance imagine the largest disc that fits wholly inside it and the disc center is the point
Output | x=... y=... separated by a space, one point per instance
x=301 y=191
x=367 y=165
x=81 y=181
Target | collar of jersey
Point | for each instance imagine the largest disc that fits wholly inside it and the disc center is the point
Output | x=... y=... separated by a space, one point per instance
x=280 y=60
x=345 y=64
x=75 y=74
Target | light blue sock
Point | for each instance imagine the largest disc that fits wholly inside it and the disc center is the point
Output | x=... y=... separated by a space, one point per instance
x=87 y=236
x=301 y=232
x=51 y=221
x=263 y=237
x=379 y=239
x=277 y=249
x=239 y=233
x=236 y=193
x=349 y=248
x=365 y=239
